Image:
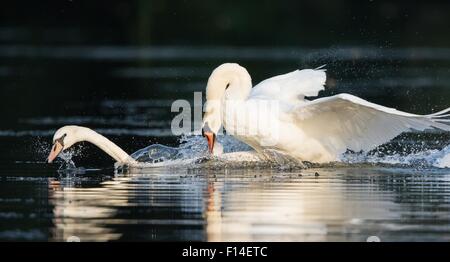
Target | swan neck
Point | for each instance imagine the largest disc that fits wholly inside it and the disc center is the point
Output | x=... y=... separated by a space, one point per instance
x=243 y=86
x=107 y=146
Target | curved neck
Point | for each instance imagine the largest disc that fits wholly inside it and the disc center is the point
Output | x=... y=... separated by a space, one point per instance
x=106 y=145
x=241 y=86
x=229 y=81
x=227 y=84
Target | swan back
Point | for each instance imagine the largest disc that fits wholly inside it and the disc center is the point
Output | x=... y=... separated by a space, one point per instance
x=291 y=87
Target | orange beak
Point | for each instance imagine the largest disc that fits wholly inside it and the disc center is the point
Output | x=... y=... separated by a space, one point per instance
x=56 y=149
x=211 y=138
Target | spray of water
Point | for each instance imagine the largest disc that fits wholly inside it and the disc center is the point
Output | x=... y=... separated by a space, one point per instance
x=192 y=152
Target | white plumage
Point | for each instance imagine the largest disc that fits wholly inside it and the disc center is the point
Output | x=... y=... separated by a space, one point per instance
x=348 y=122
x=291 y=87
x=317 y=131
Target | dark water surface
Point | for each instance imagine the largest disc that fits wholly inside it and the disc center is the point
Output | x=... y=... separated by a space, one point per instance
x=348 y=204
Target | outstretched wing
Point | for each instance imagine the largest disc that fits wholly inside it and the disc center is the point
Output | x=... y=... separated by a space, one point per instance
x=292 y=87
x=345 y=121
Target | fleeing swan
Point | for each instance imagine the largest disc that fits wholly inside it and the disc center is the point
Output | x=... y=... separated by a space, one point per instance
x=67 y=136
x=319 y=130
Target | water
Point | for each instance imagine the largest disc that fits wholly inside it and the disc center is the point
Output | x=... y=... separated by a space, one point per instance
x=119 y=74
x=345 y=204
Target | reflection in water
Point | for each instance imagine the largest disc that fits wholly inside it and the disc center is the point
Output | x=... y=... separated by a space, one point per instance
x=255 y=205
x=81 y=211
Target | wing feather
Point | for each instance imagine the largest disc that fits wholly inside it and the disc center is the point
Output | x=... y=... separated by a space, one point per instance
x=345 y=121
x=291 y=87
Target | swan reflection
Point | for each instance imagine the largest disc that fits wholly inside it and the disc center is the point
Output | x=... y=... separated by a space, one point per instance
x=243 y=205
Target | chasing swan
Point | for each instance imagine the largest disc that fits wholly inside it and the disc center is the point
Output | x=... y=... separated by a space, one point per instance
x=318 y=130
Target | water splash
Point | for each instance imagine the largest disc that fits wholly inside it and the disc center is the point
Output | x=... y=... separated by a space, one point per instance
x=43 y=147
x=67 y=165
x=192 y=152
x=67 y=162
x=423 y=159
x=67 y=168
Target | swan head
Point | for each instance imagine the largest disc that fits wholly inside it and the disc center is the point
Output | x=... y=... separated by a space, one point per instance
x=227 y=82
x=64 y=138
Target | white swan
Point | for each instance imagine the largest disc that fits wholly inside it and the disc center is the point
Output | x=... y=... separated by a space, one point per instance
x=317 y=131
x=67 y=136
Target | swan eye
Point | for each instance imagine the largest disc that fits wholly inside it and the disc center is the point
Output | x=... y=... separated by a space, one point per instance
x=228 y=85
x=61 y=139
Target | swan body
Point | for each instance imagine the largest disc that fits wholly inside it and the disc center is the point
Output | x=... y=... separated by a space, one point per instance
x=67 y=136
x=318 y=130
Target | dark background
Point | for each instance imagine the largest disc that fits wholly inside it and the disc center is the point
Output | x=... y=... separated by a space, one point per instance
x=33 y=82
x=242 y=23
